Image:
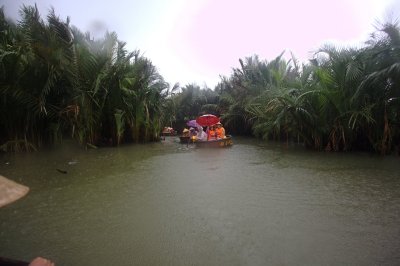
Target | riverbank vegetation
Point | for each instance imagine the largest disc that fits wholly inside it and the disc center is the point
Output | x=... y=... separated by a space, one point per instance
x=57 y=82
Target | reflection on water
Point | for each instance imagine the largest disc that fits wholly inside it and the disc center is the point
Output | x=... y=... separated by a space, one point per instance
x=165 y=203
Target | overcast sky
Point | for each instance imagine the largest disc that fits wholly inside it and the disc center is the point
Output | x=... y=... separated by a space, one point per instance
x=196 y=41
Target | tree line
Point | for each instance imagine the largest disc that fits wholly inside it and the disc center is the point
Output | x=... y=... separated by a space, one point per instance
x=343 y=99
x=58 y=82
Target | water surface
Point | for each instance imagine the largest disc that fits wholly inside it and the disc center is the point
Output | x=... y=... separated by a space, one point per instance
x=255 y=203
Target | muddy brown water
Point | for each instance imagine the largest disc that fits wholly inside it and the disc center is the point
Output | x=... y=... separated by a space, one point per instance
x=256 y=203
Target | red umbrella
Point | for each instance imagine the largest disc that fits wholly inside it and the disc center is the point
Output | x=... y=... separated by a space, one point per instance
x=207 y=120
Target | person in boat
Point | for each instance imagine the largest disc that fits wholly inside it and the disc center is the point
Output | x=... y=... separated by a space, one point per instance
x=185 y=132
x=169 y=130
x=201 y=135
x=212 y=134
x=220 y=130
x=192 y=133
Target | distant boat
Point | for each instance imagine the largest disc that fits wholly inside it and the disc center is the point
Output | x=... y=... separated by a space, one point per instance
x=168 y=131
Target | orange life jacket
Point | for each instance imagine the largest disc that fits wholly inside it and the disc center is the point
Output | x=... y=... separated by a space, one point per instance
x=220 y=132
x=211 y=134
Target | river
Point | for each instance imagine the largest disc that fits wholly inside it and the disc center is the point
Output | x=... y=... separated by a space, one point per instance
x=256 y=203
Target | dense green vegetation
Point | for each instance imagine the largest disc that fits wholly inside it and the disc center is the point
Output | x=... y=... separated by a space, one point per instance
x=58 y=82
x=345 y=99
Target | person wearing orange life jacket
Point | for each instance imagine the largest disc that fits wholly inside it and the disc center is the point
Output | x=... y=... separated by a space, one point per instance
x=212 y=134
x=220 y=130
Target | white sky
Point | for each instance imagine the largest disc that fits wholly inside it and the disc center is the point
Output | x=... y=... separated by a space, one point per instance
x=196 y=41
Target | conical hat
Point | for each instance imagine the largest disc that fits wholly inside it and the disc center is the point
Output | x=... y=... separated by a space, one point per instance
x=10 y=191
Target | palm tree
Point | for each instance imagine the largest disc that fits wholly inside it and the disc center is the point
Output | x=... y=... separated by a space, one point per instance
x=34 y=64
x=381 y=84
x=57 y=80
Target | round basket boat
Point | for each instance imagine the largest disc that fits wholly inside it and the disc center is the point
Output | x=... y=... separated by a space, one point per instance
x=216 y=143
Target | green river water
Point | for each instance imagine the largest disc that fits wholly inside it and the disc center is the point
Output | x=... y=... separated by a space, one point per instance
x=256 y=203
